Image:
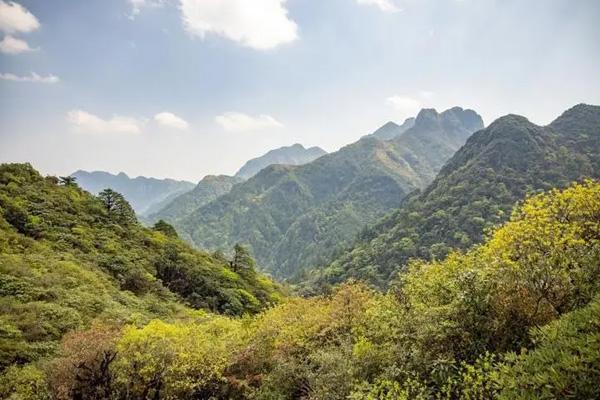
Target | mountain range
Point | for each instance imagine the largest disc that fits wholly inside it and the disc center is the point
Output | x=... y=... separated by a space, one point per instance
x=476 y=190
x=144 y=194
x=294 y=217
x=207 y=190
x=153 y=199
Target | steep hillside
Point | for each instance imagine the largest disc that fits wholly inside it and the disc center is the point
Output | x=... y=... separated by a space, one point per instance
x=476 y=190
x=297 y=216
x=207 y=190
x=290 y=155
x=517 y=317
x=142 y=193
x=67 y=257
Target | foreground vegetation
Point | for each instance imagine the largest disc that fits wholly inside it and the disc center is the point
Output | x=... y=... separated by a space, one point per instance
x=67 y=258
x=515 y=317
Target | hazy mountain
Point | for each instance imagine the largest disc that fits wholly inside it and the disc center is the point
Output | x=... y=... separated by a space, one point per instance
x=297 y=216
x=143 y=193
x=290 y=155
x=477 y=189
x=392 y=129
x=207 y=190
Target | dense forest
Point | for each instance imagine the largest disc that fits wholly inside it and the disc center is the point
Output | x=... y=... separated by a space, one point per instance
x=97 y=307
x=474 y=191
x=296 y=217
x=68 y=257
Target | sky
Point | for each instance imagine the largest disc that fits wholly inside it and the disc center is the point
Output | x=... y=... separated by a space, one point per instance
x=186 y=88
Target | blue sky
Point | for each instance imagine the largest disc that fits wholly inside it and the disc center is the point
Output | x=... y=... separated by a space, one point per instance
x=184 y=88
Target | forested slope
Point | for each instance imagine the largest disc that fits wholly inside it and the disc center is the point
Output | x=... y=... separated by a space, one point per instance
x=296 y=217
x=67 y=257
x=208 y=189
x=476 y=190
x=514 y=318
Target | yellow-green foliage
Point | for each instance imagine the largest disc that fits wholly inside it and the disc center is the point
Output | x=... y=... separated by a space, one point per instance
x=66 y=259
x=175 y=361
x=512 y=318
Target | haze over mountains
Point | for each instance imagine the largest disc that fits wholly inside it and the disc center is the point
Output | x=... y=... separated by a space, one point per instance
x=294 y=217
x=298 y=220
x=391 y=129
x=142 y=193
x=167 y=198
x=295 y=154
x=207 y=190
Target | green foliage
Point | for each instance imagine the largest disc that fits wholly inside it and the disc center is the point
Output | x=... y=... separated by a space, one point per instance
x=117 y=207
x=475 y=191
x=67 y=257
x=298 y=217
x=207 y=190
x=515 y=317
x=165 y=228
x=23 y=383
x=564 y=363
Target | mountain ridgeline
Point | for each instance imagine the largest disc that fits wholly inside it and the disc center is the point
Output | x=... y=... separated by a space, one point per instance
x=294 y=217
x=290 y=155
x=391 y=129
x=207 y=190
x=474 y=191
x=144 y=194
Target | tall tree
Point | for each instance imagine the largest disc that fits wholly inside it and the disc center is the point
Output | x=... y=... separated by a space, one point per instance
x=68 y=180
x=118 y=208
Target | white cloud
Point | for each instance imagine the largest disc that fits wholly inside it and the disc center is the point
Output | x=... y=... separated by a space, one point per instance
x=405 y=105
x=171 y=120
x=85 y=122
x=259 y=24
x=384 y=5
x=33 y=78
x=16 y=18
x=239 y=122
x=11 y=45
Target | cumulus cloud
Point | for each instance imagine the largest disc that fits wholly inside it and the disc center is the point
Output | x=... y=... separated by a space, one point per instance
x=16 y=18
x=85 y=122
x=171 y=120
x=259 y=24
x=384 y=5
x=12 y=45
x=405 y=105
x=33 y=78
x=239 y=122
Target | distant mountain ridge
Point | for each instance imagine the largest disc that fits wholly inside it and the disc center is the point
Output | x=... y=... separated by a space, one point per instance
x=141 y=192
x=391 y=129
x=295 y=154
x=207 y=190
x=475 y=190
x=295 y=217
